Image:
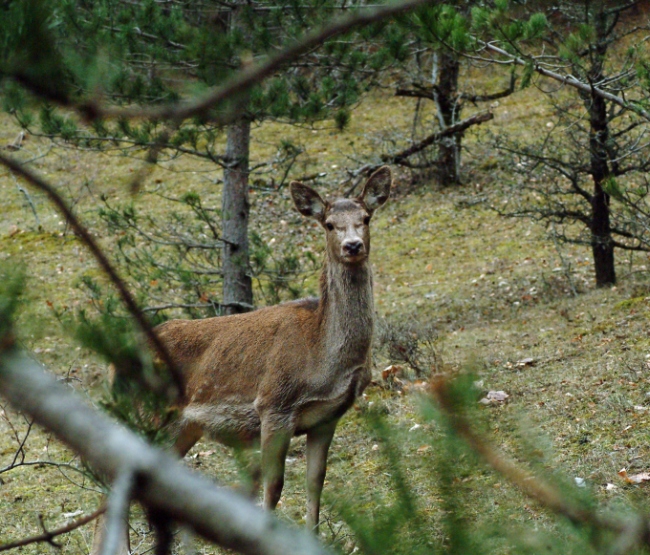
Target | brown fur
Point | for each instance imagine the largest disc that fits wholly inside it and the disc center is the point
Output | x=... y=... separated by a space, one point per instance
x=289 y=369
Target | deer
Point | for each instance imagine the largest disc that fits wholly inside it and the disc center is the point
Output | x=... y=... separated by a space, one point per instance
x=260 y=378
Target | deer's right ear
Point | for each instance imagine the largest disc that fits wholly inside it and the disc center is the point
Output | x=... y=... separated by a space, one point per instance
x=307 y=201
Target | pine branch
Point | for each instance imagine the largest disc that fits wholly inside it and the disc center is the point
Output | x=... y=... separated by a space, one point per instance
x=570 y=80
x=533 y=486
x=255 y=73
x=428 y=91
x=106 y=266
x=420 y=91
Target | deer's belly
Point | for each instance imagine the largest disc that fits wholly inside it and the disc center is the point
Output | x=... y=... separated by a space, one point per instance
x=230 y=423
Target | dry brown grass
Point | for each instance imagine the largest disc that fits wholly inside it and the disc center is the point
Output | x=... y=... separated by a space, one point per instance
x=494 y=291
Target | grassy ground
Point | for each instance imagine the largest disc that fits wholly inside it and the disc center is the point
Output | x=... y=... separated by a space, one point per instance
x=477 y=290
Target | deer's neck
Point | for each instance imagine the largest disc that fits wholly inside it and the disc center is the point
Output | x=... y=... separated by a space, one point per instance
x=347 y=310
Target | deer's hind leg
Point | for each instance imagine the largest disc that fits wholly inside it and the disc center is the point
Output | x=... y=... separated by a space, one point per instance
x=189 y=433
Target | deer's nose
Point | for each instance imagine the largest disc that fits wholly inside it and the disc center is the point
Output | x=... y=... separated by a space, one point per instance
x=353 y=247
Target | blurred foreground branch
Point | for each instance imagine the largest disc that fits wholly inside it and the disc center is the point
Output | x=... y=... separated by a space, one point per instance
x=635 y=532
x=162 y=484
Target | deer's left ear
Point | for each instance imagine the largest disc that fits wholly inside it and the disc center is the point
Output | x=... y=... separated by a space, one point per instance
x=307 y=201
x=377 y=189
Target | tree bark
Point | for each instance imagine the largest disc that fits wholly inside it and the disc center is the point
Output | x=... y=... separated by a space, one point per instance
x=237 y=282
x=602 y=244
x=447 y=101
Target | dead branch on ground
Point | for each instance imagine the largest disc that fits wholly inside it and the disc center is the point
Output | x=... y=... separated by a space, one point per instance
x=48 y=535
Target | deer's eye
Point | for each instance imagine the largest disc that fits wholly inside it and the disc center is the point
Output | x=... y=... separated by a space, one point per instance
x=366 y=220
x=329 y=226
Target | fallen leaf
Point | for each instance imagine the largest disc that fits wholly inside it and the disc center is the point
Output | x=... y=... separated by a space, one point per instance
x=390 y=371
x=424 y=448
x=417 y=385
x=638 y=478
x=634 y=478
x=494 y=397
x=528 y=361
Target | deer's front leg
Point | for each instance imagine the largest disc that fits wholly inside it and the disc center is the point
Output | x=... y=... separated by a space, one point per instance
x=318 y=444
x=276 y=438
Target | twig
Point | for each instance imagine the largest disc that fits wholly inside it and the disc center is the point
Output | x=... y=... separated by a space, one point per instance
x=48 y=535
x=99 y=255
x=29 y=200
x=117 y=511
x=566 y=266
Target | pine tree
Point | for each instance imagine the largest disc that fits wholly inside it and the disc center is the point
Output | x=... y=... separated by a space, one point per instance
x=149 y=53
x=592 y=157
x=432 y=54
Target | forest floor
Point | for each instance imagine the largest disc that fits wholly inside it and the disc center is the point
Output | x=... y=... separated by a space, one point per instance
x=465 y=289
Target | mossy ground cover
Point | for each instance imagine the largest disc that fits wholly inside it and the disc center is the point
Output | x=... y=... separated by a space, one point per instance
x=491 y=294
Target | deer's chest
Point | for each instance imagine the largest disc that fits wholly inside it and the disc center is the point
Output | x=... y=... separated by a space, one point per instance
x=331 y=402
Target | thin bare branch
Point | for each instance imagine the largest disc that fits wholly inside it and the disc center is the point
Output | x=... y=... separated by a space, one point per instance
x=49 y=535
x=459 y=127
x=570 y=80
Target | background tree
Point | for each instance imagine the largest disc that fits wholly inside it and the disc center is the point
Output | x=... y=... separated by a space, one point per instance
x=150 y=53
x=592 y=159
x=438 y=37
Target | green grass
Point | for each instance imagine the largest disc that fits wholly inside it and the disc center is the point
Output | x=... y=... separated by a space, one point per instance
x=492 y=291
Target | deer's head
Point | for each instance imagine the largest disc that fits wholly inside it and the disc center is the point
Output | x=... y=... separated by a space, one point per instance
x=345 y=220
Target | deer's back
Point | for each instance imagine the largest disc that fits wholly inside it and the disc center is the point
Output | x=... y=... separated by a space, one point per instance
x=233 y=356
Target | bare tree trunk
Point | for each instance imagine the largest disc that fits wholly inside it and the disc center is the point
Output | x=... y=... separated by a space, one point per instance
x=602 y=244
x=447 y=102
x=601 y=239
x=237 y=283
